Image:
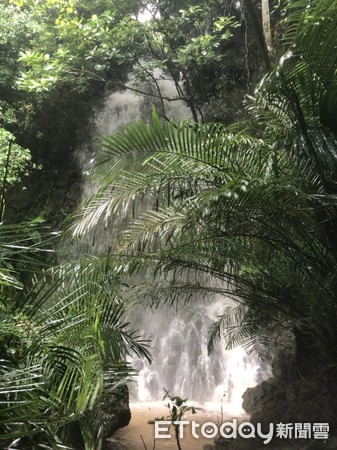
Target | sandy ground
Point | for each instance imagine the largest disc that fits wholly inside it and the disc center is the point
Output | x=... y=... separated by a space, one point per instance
x=130 y=438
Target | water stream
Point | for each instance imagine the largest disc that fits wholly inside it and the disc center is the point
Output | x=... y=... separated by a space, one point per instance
x=181 y=363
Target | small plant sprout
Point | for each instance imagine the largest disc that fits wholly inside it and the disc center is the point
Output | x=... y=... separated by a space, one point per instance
x=177 y=409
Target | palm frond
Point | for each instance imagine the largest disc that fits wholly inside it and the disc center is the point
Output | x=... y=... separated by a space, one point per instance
x=189 y=156
x=239 y=325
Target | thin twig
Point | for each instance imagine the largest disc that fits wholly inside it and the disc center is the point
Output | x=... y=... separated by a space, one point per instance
x=143 y=441
x=4 y=181
x=169 y=99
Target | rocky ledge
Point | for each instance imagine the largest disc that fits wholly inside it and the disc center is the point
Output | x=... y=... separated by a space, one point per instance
x=299 y=392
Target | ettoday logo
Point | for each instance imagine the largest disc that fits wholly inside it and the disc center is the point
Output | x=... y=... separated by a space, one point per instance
x=246 y=430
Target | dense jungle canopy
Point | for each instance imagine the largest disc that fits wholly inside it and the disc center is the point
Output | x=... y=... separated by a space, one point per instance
x=244 y=193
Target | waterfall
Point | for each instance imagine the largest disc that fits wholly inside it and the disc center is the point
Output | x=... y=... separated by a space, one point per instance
x=181 y=363
x=178 y=338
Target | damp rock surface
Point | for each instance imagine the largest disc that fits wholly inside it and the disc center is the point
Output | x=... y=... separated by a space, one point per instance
x=298 y=392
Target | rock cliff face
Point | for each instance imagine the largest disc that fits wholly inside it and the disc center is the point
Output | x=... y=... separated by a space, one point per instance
x=114 y=414
x=298 y=392
x=56 y=189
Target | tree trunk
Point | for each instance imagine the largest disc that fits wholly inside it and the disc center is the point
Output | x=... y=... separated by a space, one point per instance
x=255 y=22
x=266 y=25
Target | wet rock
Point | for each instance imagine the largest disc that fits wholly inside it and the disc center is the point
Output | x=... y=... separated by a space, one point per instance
x=298 y=392
x=109 y=413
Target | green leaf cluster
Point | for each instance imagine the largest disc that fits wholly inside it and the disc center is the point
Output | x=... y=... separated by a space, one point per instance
x=74 y=43
x=19 y=161
x=63 y=345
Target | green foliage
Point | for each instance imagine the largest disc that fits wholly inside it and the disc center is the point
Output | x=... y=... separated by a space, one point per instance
x=16 y=29
x=177 y=406
x=72 y=47
x=63 y=343
x=190 y=38
x=250 y=216
x=188 y=45
x=177 y=409
x=302 y=89
x=203 y=178
x=55 y=51
x=257 y=216
x=15 y=164
x=19 y=161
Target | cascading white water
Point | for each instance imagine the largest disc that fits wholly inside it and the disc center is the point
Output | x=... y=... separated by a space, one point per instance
x=179 y=338
x=181 y=362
